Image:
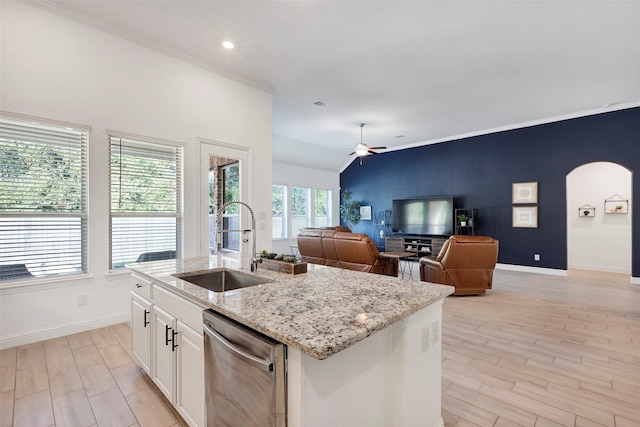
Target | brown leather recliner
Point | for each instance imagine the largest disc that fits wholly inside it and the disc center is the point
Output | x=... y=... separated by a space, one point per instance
x=352 y=251
x=465 y=262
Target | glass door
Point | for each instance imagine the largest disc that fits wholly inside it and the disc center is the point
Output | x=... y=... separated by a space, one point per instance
x=224 y=171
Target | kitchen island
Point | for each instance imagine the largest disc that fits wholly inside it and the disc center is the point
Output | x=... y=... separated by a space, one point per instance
x=363 y=349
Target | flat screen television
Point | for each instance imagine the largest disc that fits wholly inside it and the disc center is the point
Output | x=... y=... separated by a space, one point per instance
x=428 y=216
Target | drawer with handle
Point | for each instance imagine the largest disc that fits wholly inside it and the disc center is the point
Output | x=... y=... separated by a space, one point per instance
x=141 y=286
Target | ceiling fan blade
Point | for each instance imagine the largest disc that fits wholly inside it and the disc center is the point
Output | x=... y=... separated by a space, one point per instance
x=373 y=152
x=377 y=148
x=352 y=153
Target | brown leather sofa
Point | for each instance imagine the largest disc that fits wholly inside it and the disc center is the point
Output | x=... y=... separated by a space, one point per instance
x=465 y=262
x=343 y=249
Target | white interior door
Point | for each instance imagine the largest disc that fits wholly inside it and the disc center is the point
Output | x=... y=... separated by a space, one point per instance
x=210 y=150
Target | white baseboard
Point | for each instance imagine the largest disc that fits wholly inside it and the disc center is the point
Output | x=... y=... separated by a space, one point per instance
x=528 y=269
x=61 y=330
x=635 y=280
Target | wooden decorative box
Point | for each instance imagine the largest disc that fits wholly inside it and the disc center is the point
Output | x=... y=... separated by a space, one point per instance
x=283 y=267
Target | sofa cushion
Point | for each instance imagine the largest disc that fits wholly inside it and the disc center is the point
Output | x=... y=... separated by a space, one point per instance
x=343 y=249
x=310 y=246
x=328 y=244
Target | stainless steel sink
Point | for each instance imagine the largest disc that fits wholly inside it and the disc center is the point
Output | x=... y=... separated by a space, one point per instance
x=222 y=280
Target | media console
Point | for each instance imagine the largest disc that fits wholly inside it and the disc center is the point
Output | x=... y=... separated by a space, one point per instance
x=420 y=245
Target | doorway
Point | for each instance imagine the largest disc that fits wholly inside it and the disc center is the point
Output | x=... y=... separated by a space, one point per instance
x=599 y=241
x=223 y=178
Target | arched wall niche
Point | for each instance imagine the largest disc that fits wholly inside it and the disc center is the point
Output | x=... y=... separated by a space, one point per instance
x=601 y=242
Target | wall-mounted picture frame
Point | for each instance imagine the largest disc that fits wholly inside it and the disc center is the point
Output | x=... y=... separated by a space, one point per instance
x=586 y=211
x=365 y=213
x=616 y=204
x=525 y=217
x=524 y=192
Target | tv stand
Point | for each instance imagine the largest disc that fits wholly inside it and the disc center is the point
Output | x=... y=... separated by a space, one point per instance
x=419 y=245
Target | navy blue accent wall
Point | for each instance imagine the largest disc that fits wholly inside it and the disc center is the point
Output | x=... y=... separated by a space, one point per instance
x=479 y=171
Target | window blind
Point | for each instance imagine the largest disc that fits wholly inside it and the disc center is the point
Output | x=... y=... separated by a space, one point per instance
x=43 y=199
x=145 y=201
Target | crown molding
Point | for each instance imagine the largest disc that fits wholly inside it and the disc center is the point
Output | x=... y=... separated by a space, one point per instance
x=602 y=110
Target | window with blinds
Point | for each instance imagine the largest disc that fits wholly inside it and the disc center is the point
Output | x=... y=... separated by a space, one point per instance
x=145 y=200
x=43 y=199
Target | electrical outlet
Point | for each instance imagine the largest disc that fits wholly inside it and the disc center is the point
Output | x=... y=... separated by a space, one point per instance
x=536 y=257
x=435 y=332
x=83 y=299
x=426 y=342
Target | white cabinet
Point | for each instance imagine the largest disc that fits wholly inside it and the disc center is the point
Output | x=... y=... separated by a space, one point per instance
x=164 y=352
x=190 y=393
x=141 y=331
x=167 y=343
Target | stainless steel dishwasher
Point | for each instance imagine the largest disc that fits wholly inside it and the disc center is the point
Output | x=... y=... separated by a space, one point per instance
x=245 y=375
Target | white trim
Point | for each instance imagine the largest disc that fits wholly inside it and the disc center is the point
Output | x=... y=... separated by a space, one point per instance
x=528 y=269
x=44 y=283
x=46 y=333
x=45 y=121
x=634 y=280
x=522 y=125
x=144 y=138
x=244 y=155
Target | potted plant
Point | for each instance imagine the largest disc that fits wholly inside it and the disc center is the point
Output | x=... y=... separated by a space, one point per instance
x=463 y=219
x=349 y=209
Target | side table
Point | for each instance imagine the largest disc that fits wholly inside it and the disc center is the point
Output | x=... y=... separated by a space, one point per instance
x=403 y=261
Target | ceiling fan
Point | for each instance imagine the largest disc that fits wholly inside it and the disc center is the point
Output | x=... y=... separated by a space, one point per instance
x=361 y=148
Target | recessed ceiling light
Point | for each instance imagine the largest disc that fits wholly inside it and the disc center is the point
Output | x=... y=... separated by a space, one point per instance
x=228 y=45
x=320 y=104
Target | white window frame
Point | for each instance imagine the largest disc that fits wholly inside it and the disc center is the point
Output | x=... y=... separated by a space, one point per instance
x=168 y=215
x=53 y=241
x=310 y=218
x=283 y=219
x=328 y=207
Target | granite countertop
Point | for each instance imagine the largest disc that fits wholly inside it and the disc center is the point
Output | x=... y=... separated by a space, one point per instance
x=320 y=312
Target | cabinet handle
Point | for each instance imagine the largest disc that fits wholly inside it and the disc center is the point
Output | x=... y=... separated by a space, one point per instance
x=146 y=319
x=166 y=334
x=173 y=341
x=138 y=285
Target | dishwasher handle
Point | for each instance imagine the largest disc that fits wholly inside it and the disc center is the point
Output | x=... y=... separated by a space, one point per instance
x=249 y=358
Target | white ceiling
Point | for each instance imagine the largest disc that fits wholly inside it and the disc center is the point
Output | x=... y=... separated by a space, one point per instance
x=427 y=70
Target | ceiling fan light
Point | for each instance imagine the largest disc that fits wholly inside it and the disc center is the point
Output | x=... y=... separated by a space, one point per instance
x=361 y=150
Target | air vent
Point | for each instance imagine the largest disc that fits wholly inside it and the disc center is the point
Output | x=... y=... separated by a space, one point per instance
x=319 y=104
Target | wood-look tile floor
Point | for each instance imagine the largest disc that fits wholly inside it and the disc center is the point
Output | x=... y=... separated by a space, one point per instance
x=540 y=350
x=536 y=350
x=85 y=379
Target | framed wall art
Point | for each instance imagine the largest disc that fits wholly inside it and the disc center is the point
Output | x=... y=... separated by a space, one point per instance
x=524 y=192
x=365 y=212
x=525 y=216
x=616 y=204
x=587 y=210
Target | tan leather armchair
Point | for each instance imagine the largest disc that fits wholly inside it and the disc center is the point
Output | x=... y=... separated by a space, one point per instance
x=465 y=262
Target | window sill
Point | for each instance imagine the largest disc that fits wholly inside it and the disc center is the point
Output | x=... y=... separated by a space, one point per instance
x=119 y=274
x=44 y=283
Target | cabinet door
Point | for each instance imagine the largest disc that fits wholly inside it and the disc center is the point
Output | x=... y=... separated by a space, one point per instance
x=141 y=331
x=164 y=355
x=190 y=377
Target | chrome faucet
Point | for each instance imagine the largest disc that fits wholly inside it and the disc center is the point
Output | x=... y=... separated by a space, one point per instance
x=254 y=260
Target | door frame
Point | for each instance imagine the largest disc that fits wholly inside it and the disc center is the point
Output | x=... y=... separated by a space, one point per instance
x=214 y=148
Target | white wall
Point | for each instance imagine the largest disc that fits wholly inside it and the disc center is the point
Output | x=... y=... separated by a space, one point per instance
x=56 y=68
x=287 y=174
x=602 y=242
